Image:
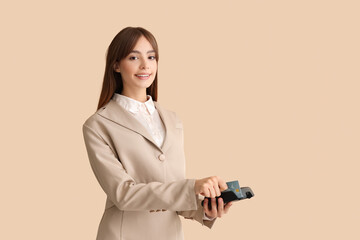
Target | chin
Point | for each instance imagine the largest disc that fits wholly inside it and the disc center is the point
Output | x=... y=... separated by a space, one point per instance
x=143 y=85
x=149 y=84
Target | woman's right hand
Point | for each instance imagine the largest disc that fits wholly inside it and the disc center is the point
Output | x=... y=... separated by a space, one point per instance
x=210 y=187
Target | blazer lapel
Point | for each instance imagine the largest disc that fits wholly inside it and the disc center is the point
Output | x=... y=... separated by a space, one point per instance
x=119 y=115
x=169 y=125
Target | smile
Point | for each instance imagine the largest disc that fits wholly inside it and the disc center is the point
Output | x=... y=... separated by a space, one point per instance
x=143 y=76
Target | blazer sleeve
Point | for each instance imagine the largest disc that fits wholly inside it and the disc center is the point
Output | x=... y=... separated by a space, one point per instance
x=122 y=189
x=198 y=214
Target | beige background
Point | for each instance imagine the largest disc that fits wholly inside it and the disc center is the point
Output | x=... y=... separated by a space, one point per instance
x=268 y=92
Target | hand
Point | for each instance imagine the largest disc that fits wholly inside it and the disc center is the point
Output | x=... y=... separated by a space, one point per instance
x=210 y=187
x=216 y=211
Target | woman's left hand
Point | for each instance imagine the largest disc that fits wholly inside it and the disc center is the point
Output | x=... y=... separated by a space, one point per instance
x=216 y=211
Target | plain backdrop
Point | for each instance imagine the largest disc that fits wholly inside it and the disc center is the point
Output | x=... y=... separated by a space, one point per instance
x=268 y=92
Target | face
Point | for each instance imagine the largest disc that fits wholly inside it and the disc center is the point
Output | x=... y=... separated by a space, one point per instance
x=138 y=69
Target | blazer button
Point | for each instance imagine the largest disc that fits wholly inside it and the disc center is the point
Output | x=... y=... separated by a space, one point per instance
x=161 y=157
x=152 y=211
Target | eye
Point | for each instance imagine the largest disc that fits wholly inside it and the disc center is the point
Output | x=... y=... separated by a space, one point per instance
x=152 y=57
x=132 y=58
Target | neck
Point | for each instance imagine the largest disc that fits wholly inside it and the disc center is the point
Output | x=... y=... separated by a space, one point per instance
x=138 y=96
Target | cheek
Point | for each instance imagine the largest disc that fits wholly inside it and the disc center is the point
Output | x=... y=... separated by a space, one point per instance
x=154 y=66
x=128 y=68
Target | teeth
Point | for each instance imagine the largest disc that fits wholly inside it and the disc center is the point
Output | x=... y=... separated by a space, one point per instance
x=142 y=75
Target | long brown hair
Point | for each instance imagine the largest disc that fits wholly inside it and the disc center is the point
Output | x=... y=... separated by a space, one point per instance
x=119 y=48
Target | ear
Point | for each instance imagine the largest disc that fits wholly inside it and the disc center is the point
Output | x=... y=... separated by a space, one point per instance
x=116 y=67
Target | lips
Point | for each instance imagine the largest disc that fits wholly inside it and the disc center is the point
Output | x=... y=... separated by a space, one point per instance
x=143 y=76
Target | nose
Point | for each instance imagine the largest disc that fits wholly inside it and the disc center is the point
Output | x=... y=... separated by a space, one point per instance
x=144 y=64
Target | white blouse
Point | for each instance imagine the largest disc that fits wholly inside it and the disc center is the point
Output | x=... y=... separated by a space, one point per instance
x=148 y=116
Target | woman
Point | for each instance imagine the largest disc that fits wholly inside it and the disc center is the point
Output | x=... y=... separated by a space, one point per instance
x=136 y=151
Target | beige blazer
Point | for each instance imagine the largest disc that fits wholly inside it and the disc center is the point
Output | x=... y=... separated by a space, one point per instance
x=145 y=185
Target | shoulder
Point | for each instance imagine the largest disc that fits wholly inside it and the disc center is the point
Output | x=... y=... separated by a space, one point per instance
x=93 y=120
x=170 y=113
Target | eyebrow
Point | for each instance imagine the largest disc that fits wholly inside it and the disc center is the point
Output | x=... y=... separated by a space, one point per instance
x=136 y=51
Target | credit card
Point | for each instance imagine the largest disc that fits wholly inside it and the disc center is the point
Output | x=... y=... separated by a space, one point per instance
x=234 y=187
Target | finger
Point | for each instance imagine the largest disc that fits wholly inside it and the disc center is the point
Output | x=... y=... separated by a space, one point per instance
x=218 y=191
x=206 y=192
x=212 y=182
x=220 y=207
x=222 y=184
x=212 y=192
x=206 y=208
x=206 y=205
x=216 y=185
x=227 y=207
x=213 y=207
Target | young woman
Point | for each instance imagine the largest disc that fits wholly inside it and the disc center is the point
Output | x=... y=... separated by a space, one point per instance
x=136 y=151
